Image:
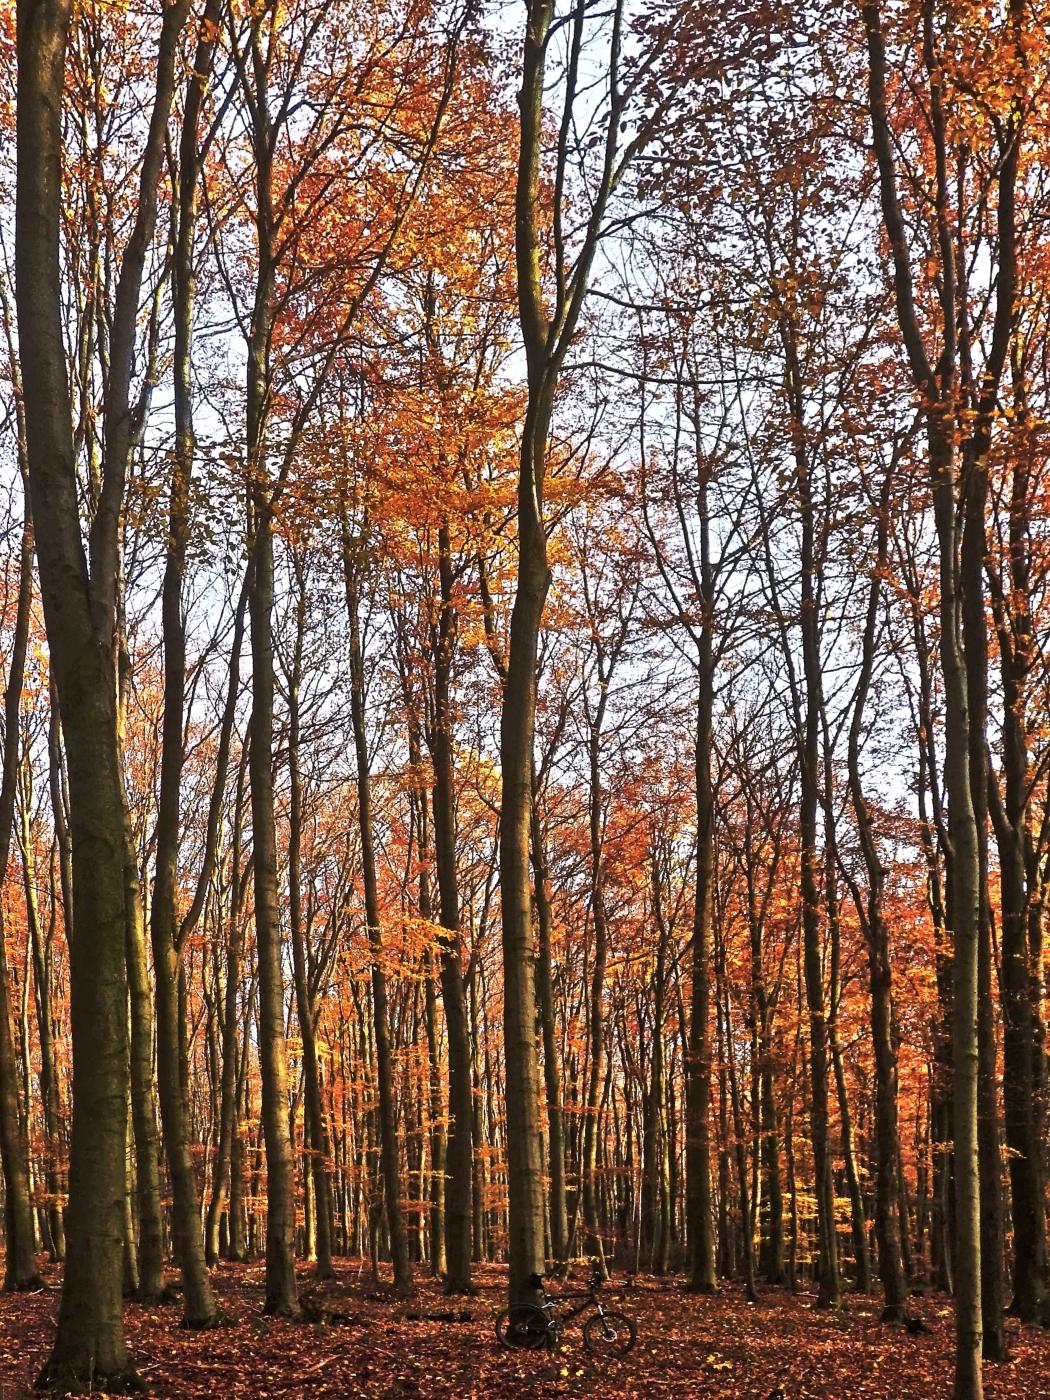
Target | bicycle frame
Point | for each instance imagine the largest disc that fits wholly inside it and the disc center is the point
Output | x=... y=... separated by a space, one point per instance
x=590 y=1299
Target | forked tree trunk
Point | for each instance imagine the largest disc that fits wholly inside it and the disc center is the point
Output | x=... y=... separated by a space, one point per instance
x=80 y=617
x=199 y=1309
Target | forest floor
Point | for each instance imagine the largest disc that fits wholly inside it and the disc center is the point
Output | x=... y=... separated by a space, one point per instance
x=687 y=1346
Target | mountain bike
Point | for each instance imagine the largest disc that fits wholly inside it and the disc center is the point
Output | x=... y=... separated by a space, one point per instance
x=528 y=1326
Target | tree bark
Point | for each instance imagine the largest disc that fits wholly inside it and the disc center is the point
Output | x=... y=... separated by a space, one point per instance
x=700 y=1221
x=352 y=565
x=459 y=1151
x=48 y=1081
x=281 y=1295
x=559 y=1212
x=316 y=1127
x=222 y=1178
x=20 y=1271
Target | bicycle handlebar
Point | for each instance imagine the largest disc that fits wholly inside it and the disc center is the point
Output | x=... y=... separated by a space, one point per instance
x=595 y=1279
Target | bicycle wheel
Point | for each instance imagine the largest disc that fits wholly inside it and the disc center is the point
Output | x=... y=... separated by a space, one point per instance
x=523 y=1326
x=609 y=1334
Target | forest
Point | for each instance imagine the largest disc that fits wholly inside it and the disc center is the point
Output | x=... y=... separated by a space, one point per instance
x=525 y=743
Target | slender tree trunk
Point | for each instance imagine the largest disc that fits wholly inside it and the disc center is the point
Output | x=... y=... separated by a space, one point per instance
x=747 y=1244
x=316 y=1127
x=828 y=1281
x=281 y=1297
x=459 y=1152
x=975 y=645
x=654 y=1235
x=1023 y=1034
x=888 y=1183
x=149 y=1224
x=559 y=1213
x=858 y=1223
x=702 y=1277
x=20 y=1271
x=437 y=1132
x=380 y=1011
x=230 y=1051
x=772 y=1241
x=48 y=1080
x=524 y=1164
x=596 y=1016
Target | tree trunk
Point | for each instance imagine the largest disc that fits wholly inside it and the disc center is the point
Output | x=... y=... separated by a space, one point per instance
x=559 y=1213
x=20 y=1271
x=281 y=1297
x=149 y=1223
x=702 y=1277
x=858 y=1223
x=380 y=1012
x=222 y=1178
x=888 y=1182
x=459 y=1152
x=828 y=1281
x=316 y=1128
x=1023 y=1034
x=975 y=647
x=48 y=1080
x=596 y=1017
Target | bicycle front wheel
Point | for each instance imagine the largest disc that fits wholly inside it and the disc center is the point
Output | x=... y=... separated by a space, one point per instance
x=609 y=1334
x=523 y=1326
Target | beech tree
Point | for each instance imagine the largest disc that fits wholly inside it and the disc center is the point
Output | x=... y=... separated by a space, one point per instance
x=80 y=589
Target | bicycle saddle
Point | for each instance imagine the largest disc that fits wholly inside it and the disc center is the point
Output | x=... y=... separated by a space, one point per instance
x=535 y=1280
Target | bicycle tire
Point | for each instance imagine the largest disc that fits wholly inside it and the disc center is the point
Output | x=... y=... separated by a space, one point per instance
x=523 y=1327
x=609 y=1334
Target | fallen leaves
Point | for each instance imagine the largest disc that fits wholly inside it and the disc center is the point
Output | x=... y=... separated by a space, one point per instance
x=712 y=1348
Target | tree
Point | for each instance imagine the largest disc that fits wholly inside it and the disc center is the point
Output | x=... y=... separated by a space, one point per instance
x=546 y=335
x=939 y=358
x=79 y=592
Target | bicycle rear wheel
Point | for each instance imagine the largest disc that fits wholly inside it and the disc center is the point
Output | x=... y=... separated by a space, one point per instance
x=609 y=1334
x=523 y=1326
